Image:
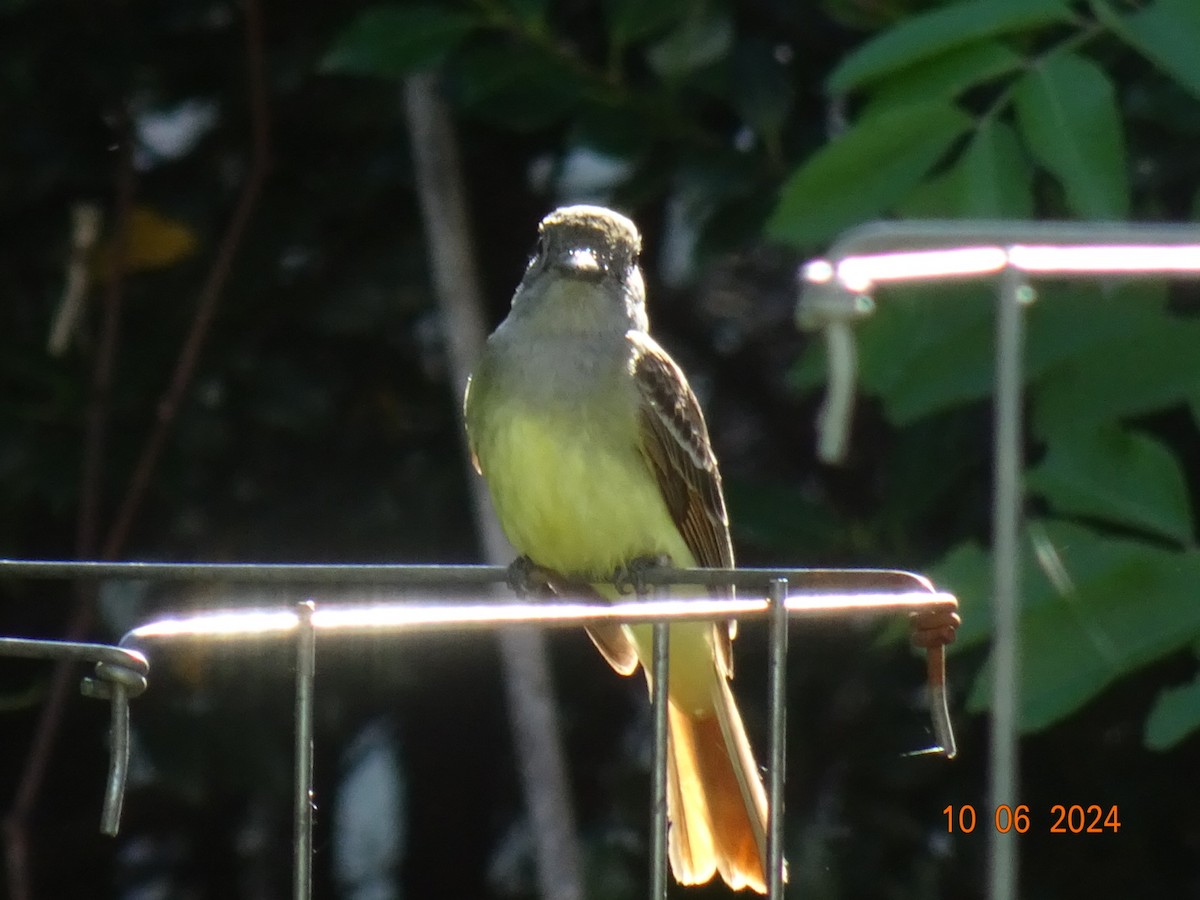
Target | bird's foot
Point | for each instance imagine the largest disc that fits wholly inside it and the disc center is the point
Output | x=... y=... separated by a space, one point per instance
x=527 y=579
x=631 y=577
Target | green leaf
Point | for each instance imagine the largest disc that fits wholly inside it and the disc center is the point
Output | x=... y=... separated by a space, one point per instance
x=1073 y=321
x=1168 y=34
x=760 y=87
x=1115 y=475
x=1175 y=715
x=919 y=37
x=531 y=13
x=1152 y=364
x=939 y=196
x=698 y=41
x=954 y=367
x=909 y=325
x=393 y=40
x=632 y=20
x=992 y=178
x=518 y=91
x=1067 y=112
x=811 y=370
x=865 y=171
x=997 y=177
x=927 y=349
x=613 y=131
x=947 y=75
x=1126 y=604
x=778 y=517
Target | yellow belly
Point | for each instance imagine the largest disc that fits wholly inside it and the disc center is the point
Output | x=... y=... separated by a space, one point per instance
x=572 y=498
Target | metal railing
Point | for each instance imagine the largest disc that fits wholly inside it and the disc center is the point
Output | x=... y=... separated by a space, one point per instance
x=777 y=594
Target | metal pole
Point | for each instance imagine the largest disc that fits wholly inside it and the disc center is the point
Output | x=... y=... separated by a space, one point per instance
x=306 y=646
x=658 y=806
x=778 y=690
x=1006 y=524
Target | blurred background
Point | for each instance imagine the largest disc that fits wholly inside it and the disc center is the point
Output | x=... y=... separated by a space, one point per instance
x=219 y=341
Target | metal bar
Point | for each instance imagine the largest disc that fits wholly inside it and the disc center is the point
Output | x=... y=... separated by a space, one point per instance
x=395 y=617
x=883 y=237
x=306 y=646
x=115 y=657
x=1006 y=523
x=400 y=575
x=896 y=252
x=660 y=685
x=778 y=637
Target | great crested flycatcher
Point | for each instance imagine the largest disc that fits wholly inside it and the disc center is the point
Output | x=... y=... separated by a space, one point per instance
x=596 y=454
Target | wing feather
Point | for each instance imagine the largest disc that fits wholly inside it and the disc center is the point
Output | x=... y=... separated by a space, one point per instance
x=674 y=440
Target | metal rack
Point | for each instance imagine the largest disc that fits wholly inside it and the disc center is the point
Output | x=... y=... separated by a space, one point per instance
x=777 y=594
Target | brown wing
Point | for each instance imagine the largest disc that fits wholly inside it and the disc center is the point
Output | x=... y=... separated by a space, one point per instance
x=675 y=441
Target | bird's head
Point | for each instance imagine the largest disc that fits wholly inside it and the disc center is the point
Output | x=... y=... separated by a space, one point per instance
x=584 y=274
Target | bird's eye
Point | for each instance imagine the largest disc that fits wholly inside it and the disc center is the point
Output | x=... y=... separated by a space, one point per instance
x=538 y=254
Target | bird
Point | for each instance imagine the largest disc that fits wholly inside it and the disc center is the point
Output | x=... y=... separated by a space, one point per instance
x=598 y=461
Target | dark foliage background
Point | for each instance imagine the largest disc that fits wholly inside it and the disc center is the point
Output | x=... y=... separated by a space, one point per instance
x=319 y=423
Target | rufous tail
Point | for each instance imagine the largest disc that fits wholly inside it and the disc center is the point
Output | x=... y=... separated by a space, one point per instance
x=716 y=804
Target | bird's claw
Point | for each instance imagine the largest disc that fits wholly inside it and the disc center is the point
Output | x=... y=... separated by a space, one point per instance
x=527 y=579
x=631 y=577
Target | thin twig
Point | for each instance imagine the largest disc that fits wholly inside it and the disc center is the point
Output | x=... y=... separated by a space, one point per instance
x=218 y=274
x=528 y=684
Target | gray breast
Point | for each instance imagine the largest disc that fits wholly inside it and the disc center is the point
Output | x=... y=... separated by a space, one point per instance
x=562 y=373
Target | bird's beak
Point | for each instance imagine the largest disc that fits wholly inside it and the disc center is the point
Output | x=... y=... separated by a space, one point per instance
x=579 y=262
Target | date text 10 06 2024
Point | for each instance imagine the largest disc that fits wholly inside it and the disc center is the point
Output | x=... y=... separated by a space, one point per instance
x=1062 y=819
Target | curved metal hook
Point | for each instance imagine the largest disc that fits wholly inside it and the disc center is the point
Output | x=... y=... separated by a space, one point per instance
x=120 y=675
